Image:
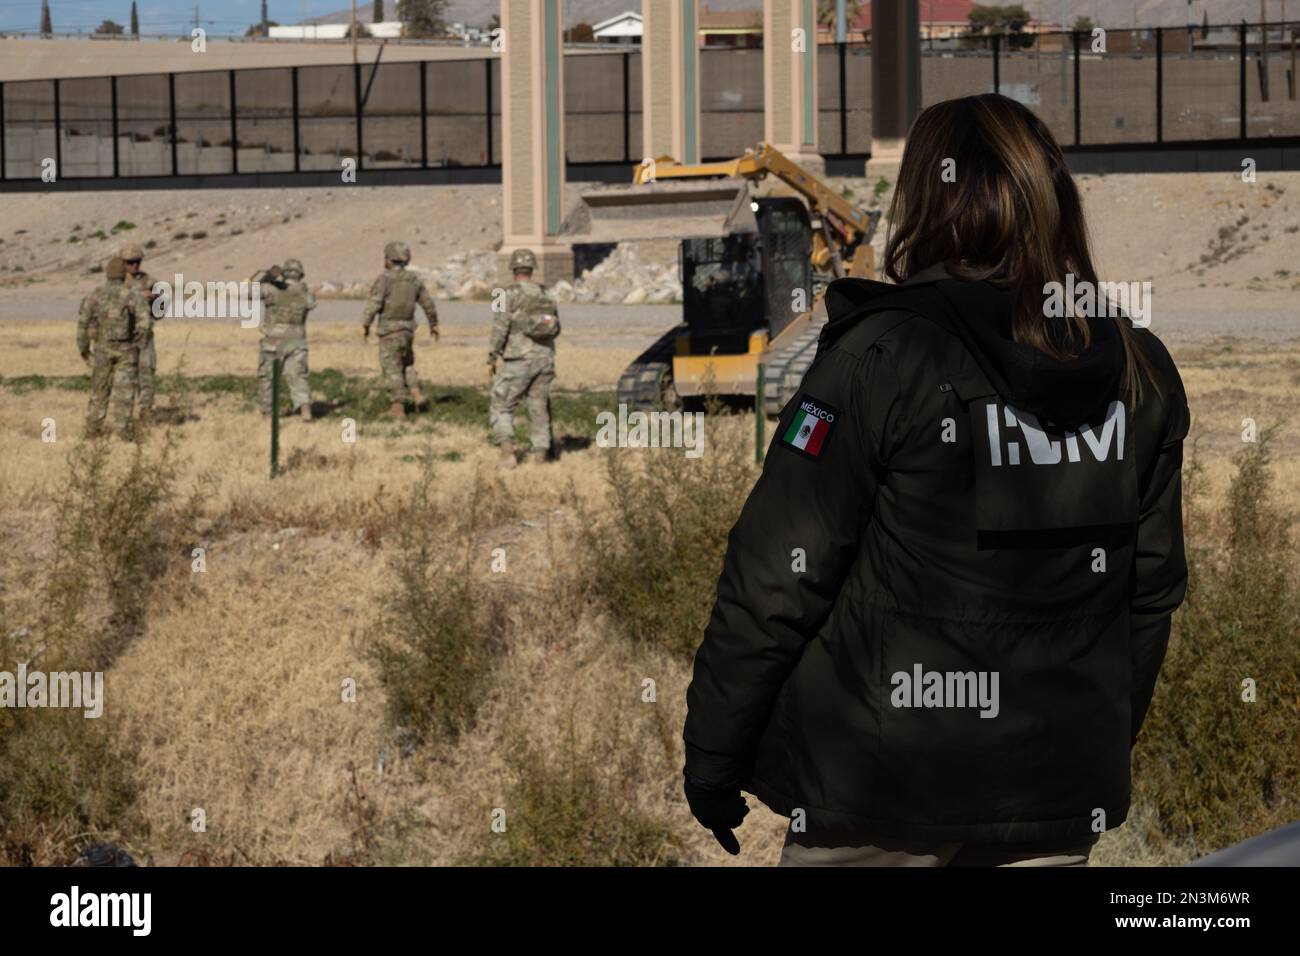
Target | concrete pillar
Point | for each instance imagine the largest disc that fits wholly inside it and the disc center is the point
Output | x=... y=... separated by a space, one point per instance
x=895 y=77
x=670 y=79
x=790 y=79
x=532 y=135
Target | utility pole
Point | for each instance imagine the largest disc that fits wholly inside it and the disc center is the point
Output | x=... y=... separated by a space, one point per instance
x=266 y=30
x=354 y=32
x=841 y=28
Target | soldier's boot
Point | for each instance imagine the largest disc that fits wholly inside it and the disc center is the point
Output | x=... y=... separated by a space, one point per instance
x=417 y=397
x=397 y=410
x=305 y=411
x=507 y=456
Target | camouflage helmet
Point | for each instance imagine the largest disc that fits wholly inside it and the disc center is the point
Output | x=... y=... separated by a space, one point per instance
x=292 y=268
x=397 y=252
x=522 y=259
x=131 y=253
x=115 y=268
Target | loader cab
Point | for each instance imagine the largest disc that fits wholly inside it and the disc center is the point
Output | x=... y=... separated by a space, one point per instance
x=786 y=232
x=735 y=285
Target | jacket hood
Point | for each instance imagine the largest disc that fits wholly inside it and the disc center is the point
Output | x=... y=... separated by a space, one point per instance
x=1063 y=392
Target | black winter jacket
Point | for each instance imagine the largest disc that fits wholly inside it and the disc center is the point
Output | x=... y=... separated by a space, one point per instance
x=946 y=600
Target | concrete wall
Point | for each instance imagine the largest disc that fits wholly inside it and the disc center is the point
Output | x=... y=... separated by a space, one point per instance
x=29 y=59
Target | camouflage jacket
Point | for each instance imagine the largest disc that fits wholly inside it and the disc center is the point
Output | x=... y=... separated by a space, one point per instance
x=393 y=298
x=109 y=316
x=284 y=310
x=508 y=339
x=143 y=283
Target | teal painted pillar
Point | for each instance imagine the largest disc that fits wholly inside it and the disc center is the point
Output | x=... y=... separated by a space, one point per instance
x=532 y=135
x=790 y=79
x=670 y=79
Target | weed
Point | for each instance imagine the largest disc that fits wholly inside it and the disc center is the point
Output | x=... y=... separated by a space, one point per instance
x=1217 y=767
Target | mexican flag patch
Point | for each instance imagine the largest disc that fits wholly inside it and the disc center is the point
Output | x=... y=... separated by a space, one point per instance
x=810 y=427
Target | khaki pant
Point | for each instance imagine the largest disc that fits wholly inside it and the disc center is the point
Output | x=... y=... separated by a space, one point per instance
x=112 y=386
x=146 y=373
x=397 y=360
x=293 y=374
x=838 y=848
x=527 y=378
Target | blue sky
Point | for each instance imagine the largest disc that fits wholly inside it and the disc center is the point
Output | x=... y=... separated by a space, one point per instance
x=160 y=16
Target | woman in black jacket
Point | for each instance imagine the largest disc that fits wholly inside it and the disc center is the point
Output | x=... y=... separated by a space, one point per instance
x=945 y=603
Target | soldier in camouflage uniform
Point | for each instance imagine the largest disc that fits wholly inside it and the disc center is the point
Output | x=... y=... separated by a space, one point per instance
x=136 y=278
x=393 y=298
x=286 y=300
x=521 y=361
x=107 y=324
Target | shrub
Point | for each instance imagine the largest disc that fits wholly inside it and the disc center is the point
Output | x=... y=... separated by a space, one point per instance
x=442 y=628
x=1215 y=768
x=654 y=563
x=62 y=776
x=574 y=804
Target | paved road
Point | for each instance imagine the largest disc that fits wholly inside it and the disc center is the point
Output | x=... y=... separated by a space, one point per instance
x=612 y=321
x=613 y=325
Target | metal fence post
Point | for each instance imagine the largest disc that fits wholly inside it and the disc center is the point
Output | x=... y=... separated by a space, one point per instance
x=171 y=120
x=1241 y=79
x=842 y=49
x=487 y=108
x=760 y=416
x=627 y=107
x=997 y=63
x=275 y=416
x=424 y=114
x=297 y=146
x=1160 y=84
x=58 y=133
x=1078 y=108
x=356 y=93
x=234 y=128
x=112 y=86
x=2 y=131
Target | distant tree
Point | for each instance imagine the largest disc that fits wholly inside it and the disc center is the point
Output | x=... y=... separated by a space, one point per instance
x=109 y=28
x=1084 y=25
x=46 y=26
x=826 y=12
x=135 y=21
x=422 y=18
x=379 y=11
x=1004 y=19
x=1010 y=19
x=580 y=33
x=362 y=31
x=1205 y=24
x=256 y=29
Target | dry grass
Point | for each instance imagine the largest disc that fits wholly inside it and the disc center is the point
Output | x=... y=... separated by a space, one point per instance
x=230 y=697
x=46 y=348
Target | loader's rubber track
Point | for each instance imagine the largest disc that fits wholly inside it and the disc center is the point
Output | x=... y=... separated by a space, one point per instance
x=784 y=370
x=646 y=384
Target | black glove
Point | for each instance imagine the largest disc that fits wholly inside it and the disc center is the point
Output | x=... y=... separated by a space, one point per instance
x=720 y=809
